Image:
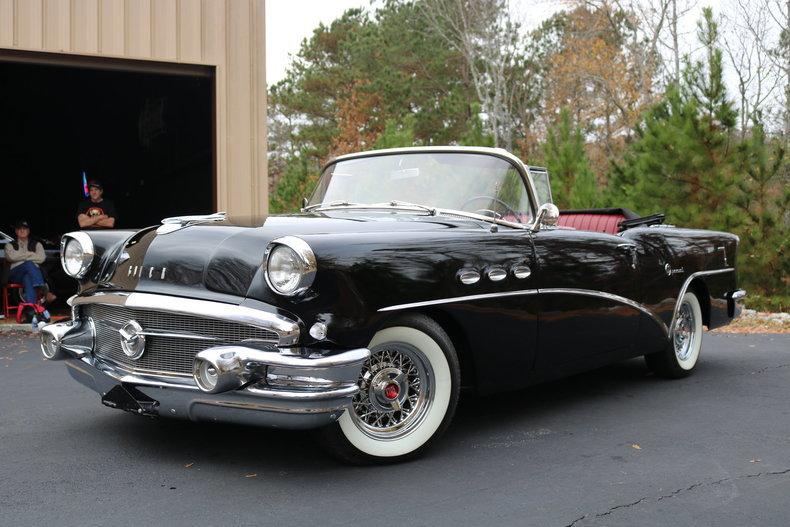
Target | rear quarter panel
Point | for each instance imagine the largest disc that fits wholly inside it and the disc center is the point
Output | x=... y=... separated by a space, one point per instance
x=685 y=252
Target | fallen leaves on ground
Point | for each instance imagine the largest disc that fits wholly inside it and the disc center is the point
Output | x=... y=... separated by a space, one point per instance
x=755 y=324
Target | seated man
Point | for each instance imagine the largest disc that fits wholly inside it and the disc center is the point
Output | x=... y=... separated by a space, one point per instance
x=25 y=255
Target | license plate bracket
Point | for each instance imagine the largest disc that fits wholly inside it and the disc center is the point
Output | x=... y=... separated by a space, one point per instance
x=130 y=399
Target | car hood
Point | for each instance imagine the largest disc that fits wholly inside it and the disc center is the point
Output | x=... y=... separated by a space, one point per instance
x=225 y=257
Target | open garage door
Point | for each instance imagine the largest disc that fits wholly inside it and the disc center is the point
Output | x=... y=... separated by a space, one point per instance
x=147 y=135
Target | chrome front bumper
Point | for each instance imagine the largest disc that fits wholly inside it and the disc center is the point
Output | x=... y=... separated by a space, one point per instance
x=294 y=388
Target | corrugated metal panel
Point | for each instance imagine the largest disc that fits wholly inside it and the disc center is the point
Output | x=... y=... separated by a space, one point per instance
x=29 y=26
x=164 y=30
x=7 y=23
x=85 y=26
x=190 y=48
x=226 y=34
x=111 y=27
x=137 y=22
x=57 y=25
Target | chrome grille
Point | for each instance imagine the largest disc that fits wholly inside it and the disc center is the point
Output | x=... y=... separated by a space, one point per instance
x=168 y=355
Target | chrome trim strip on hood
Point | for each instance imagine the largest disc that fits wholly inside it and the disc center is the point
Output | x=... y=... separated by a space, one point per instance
x=287 y=330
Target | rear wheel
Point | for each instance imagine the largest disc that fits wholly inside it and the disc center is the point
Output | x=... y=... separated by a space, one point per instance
x=681 y=355
x=408 y=394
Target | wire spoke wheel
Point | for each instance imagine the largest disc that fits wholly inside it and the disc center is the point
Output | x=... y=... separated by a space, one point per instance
x=684 y=332
x=396 y=391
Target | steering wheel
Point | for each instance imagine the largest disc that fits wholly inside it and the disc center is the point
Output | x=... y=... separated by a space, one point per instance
x=507 y=207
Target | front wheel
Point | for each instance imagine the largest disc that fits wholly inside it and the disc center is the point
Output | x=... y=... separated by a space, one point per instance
x=408 y=393
x=681 y=355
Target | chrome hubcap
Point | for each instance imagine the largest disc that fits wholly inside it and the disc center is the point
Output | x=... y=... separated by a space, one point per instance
x=683 y=332
x=395 y=391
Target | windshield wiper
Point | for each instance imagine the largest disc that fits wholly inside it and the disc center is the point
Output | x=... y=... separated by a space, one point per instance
x=397 y=203
x=330 y=204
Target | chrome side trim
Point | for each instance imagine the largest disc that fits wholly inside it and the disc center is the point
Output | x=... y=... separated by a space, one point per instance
x=527 y=292
x=286 y=329
x=609 y=296
x=686 y=284
x=452 y=300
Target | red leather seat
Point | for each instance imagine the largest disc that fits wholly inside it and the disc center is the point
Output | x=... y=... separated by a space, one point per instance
x=586 y=221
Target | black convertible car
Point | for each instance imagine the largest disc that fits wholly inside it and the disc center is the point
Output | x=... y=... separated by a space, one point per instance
x=409 y=273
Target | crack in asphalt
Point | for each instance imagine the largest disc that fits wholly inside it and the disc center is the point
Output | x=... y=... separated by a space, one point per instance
x=768 y=368
x=676 y=492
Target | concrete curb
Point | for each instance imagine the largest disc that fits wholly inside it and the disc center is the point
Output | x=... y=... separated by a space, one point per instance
x=8 y=328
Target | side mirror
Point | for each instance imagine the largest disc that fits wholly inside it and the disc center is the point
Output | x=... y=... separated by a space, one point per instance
x=548 y=214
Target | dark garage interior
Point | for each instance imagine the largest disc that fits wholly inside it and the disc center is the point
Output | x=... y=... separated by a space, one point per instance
x=148 y=137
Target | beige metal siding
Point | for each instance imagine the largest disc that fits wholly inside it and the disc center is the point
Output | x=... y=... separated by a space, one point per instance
x=226 y=34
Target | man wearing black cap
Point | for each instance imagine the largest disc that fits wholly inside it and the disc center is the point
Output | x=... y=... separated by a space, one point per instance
x=96 y=212
x=25 y=255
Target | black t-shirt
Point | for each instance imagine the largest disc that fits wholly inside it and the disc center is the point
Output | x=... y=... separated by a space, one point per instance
x=92 y=209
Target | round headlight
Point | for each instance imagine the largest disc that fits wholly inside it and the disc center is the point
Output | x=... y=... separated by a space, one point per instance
x=76 y=253
x=290 y=266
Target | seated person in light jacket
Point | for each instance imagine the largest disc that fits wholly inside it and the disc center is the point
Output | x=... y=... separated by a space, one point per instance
x=25 y=255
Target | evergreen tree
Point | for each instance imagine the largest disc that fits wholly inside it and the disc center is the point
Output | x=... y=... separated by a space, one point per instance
x=682 y=161
x=765 y=201
x=397 y=134
x=573 y=184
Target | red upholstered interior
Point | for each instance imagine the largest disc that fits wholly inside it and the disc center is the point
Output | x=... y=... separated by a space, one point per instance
x=607 y=223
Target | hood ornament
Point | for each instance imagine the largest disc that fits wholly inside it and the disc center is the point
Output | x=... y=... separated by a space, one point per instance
x=175 y=223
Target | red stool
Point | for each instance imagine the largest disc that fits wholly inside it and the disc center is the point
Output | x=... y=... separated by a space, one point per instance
x=8 y=307
x=38 y=309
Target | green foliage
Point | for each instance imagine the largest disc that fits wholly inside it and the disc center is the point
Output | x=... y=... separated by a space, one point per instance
x=297 y=182
x=397 y=134
x=682 y=161
x=573 y=183
x=475 y=134
x=415 y=83
x=763 y=201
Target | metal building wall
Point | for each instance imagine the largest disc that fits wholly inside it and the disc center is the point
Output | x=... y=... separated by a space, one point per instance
x=226 y=34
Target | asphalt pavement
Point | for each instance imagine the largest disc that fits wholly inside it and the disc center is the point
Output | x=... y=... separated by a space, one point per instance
x=616 y=446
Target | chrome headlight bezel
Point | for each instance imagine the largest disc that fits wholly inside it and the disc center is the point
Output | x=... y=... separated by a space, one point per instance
x=304 y=255
x=88 y=252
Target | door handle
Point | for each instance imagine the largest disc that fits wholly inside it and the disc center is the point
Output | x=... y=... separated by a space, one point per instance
x=629 y=248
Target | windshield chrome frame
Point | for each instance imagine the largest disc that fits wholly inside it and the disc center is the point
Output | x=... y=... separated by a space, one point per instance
x=519 y=165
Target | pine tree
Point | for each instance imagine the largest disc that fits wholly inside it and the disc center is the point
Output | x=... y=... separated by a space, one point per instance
x=765 y=201
x=573 y=183
x=683 y=162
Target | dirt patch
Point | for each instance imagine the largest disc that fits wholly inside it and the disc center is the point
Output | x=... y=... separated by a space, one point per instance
x=755 y=322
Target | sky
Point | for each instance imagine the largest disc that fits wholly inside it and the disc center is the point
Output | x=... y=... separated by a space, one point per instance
x=288 y=22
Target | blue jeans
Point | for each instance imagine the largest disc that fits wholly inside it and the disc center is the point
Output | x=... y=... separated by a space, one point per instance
x=29 y=275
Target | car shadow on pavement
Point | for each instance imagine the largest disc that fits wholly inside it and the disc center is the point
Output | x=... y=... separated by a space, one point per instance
x=236 y=448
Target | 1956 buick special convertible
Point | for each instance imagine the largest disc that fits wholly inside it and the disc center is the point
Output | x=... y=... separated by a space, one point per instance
x=409 y=273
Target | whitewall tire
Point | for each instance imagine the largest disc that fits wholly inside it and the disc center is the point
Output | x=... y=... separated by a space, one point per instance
x=685 y=341
x=408 y=393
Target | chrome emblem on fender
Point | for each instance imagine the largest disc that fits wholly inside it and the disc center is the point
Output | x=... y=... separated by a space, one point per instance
x=670 y=271
x=132 y=339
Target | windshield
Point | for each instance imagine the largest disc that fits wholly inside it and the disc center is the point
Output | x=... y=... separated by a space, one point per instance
x=477 y=183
